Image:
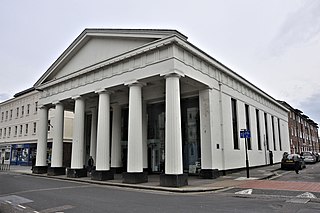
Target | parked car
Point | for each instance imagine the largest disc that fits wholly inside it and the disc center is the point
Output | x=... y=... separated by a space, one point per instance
x=317 y=156
x=309 y=157
x=288 y=161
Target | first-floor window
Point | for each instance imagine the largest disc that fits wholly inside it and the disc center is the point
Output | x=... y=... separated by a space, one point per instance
x=234 y=123
x=279 y=130
x=273 y=134
x=258 y=129
x=27 y=128
x=34 y=127
x=20 y=130
x=267 y=132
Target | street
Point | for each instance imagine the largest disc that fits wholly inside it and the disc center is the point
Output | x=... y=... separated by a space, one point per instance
x=25 y=193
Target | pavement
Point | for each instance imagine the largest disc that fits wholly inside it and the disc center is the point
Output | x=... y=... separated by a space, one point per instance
x=195 y=184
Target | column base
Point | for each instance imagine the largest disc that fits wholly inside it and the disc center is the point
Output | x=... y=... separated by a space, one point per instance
x=102 y=175
x=117 y=170
x=209 y=173
x=39 y=169
x=76 y=173
x=135 y=177
x=55 y=171
x=173 y=180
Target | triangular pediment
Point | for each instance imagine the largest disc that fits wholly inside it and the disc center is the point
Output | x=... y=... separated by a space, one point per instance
x=94 y=46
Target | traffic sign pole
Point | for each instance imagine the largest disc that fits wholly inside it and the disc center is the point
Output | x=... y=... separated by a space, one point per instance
x=246 y=134
x=247 y=160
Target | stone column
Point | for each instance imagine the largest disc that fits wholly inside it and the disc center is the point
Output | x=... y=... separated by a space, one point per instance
x=116 y=160
x=42 y=129
x=173 y=138
x=57 y=145
x=135 y=172
x=102 y=171
x=93 y=137
x=77 y=156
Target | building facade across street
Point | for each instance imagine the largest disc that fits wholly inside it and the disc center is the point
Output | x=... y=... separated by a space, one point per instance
x=140 y=101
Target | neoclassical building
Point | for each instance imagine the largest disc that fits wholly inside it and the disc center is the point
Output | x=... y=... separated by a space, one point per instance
x=150 y=101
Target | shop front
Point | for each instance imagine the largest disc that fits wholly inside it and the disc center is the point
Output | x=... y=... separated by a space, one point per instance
x=21 y=154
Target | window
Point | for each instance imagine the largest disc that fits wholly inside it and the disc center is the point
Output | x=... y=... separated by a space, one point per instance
x=20 y=133
x=27 y=126
x=6 y=115
x=2 y=116
x=0 y=133
x=11 y=111
x=273 y=134
x=266 y=127
x=4 y=132
x=9 y=131
x=15 y=130
x=28 y=109
x=234 y=123
x=34 y=128
x=36 y=107
x=17 y=112
x=247 y=112
x=258 y=129
x=49 y=125
x=22 y=111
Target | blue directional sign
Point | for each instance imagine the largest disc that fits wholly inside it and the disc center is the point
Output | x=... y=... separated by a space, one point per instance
x=245 y=133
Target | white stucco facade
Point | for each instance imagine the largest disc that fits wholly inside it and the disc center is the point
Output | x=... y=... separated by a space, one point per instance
x=19 y=124
x=141 y=71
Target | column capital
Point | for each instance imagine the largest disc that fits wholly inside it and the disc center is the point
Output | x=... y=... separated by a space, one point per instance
x=173 y=73
x=135 y=83
x=100 y=91
x=76 y=97
x=56 y=102
x=42 y=106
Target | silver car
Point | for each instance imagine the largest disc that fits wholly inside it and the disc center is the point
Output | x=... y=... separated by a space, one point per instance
x=309 y=157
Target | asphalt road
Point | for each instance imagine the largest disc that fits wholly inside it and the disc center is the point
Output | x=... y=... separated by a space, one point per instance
x=310 y=174
x=23 y=193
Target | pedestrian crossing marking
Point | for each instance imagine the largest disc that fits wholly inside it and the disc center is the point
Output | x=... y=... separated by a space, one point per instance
x=244 y=192
x=307 y=195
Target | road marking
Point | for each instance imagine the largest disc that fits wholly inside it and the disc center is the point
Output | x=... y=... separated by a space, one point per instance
x=307 y=195
x=245 y=178
x=23 y=207
x=7 y=201
x=244 y=192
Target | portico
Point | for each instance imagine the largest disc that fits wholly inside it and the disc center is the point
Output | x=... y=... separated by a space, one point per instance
x=143 y=101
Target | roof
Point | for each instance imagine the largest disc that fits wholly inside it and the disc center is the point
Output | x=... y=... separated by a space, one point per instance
x=95 y=32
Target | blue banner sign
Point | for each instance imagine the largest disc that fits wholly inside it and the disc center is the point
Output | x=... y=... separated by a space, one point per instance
x=245 y=133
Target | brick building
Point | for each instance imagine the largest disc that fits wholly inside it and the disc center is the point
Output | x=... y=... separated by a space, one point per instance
x=303 y=131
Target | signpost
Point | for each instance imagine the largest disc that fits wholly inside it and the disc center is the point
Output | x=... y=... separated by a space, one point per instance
x=245 y=133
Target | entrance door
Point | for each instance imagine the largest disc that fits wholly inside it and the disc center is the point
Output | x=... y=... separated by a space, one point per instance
x=191 y=135
x=156 y=136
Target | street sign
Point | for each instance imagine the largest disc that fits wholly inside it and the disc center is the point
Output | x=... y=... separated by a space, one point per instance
x=245 y=133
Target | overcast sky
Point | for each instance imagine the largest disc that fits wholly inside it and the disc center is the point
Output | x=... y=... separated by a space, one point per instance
x=274 y=44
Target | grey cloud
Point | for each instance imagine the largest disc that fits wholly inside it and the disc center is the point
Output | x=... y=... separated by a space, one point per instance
x=299 y=27
x=311 y=107
x=4 y=96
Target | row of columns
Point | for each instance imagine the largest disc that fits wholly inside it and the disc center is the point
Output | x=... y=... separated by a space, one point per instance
x=137 y=141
